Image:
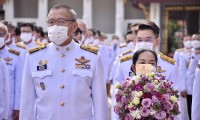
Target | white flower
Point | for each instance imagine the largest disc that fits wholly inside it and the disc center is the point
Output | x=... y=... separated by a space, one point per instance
x=136 y=114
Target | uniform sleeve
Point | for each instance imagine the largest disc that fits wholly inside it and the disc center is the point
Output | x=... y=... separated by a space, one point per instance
x=99 y=93
x=176 y=57
x=28 y=95
x=119 y=77
x=182 y=72
x=18 y=82
x=192 y=68
x=196 y=95
x=6 y=88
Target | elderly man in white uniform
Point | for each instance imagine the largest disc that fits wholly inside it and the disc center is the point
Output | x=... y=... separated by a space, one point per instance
x=14 y=65
x=64 y=80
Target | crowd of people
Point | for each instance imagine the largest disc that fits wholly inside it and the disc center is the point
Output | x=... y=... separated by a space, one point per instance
x=69 y=72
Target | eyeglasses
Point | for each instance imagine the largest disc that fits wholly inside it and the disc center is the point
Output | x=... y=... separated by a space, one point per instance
x=145 y=40
x=2 y=34
x=60 y=21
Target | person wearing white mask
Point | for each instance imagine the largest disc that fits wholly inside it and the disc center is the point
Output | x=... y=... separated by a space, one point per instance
x=66 y=82
x=14 y=66
x=147 y=37
x=185 y=89
x=26 y=36
x=187 y=43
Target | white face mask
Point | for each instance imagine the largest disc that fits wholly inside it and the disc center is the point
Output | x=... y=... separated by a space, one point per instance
x=196 y=44
x=2 y=42
x=57 y=34
x=26 y=37
x=187 y=44
x=144 y=45
x=131 y=45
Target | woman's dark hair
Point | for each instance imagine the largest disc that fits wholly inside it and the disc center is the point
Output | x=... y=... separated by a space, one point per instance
x=137 y=53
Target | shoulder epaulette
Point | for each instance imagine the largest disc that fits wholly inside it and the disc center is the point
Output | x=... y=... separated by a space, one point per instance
x=166 y=58
x=39 y=43
x=121 y=46
x=90 y=48
x=126 y=58
x=187 y=51
x=180 y=50
x=36 y=49
x=126 y=52
x=14 y=52
x=197 y=52
x=20 y=45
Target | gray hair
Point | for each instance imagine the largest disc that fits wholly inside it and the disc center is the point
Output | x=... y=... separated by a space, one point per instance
x=68 y=9
x=4 y=27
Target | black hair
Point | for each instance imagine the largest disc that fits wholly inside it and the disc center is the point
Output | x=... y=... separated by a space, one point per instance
x=17 y=31
x=78 y=30
x=148 y=26
x=137 y=54
x=27 y=25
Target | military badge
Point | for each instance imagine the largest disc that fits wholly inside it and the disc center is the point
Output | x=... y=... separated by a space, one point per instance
x=82 y=63
x=8 y=60
x=42 y=65
x=159 y=70
x=42 y=86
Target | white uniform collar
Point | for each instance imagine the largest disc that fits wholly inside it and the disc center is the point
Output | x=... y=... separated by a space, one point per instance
x=66 y=48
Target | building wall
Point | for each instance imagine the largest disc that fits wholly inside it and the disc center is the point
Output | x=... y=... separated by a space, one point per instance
x=77 y=5
x=132 y=12
x=25 y=8
x=103 y=16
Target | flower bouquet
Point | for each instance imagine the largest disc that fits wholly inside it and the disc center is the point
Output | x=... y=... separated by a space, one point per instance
x=146 y=97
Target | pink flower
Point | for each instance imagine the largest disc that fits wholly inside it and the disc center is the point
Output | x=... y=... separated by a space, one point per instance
x=150 y=87
x=124 y=100
x=146 y=103
x=168 y=105
x=116 y=109
x=160 y=115
x=128 y=117
x=144 y=111
x=154 y=99
x=165 y=98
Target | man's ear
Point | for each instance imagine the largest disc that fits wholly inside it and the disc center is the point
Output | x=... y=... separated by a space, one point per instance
x=158 y=41
x=75 y=26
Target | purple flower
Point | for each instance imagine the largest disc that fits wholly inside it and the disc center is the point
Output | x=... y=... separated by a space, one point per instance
x=165 y=98
x=146 y=102
x=128 y=117
x=160 y=115
x=168 y=105
x=144 y=112
x=116 y=109
x=138 y=87
x=124 y=100
x=154 y=99
x=150 y=87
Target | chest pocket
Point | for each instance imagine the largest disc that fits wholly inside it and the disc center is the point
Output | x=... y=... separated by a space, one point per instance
x=82 y=73
x=41 y=74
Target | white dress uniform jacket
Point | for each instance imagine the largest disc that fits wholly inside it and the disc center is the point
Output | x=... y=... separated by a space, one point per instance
x=4 y=91
x=63 y=83
x=196 y=95
x=193 y=64
x=15 y=75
